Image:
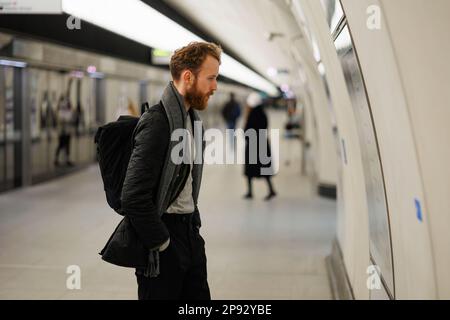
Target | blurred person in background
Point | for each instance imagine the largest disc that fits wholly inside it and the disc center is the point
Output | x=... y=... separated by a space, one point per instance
x=65 y=124
x=257 y=120
x=292 y=128
x=231 y=113
x=126 y=107
x=132 y=109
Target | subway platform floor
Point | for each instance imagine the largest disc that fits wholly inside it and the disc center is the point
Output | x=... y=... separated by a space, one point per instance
x=255 y=249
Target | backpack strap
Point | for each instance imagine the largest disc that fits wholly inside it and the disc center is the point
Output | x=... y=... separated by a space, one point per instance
x=145 y=107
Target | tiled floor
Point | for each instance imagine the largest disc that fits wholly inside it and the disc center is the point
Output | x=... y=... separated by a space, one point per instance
x=256 y=250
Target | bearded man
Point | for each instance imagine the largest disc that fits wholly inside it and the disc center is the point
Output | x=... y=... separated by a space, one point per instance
x=159 y=197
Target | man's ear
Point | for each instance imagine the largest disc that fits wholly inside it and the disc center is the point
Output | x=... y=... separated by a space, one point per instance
x=188 y=77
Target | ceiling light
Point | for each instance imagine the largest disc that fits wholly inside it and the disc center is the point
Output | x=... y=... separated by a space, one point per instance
x=321 y=68
x=91 y=69
x=272 y=72
x=285 y=88
x=12 y=63
x=137 y=21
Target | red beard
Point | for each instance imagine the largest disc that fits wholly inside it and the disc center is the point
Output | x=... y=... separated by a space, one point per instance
x=196 y=99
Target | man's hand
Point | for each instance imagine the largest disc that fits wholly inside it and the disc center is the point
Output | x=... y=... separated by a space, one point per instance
x=164 y=246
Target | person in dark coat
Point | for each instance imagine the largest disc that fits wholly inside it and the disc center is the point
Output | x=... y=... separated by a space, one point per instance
x=254 y=162
x=65 y=123
x=231 y=113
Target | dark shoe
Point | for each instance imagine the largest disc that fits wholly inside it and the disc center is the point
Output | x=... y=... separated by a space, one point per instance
x=69 y=164
x=56 y=163
x=248 y=196
x=270 y=196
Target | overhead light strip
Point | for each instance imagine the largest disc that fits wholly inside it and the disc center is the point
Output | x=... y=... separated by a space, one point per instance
x=12 y=63
x=137 y=21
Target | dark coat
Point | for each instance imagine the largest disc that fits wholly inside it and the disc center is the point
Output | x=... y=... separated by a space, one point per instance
x=256 y=120
x=147 y=192
x=231 y=113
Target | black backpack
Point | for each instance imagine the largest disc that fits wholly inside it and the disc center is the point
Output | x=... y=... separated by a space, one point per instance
x=114 y=147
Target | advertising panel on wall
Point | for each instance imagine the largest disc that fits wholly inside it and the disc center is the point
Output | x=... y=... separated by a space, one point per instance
x=379 y=228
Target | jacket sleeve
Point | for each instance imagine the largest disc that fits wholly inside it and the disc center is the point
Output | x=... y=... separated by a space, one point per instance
x=142 y=179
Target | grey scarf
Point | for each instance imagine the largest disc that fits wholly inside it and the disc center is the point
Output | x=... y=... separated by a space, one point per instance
x=173 y=104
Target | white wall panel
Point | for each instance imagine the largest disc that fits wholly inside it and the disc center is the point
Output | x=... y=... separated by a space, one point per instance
x=413 y=259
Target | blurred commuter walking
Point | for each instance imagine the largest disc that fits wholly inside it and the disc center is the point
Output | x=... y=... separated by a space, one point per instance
x=65 y=124
x=257 y=120
x=231 y=113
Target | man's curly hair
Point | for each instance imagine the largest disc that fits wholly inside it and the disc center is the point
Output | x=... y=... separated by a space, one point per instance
x=192 y=56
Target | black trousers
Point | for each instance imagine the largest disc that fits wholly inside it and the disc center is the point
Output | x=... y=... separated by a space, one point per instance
x=182 y=265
